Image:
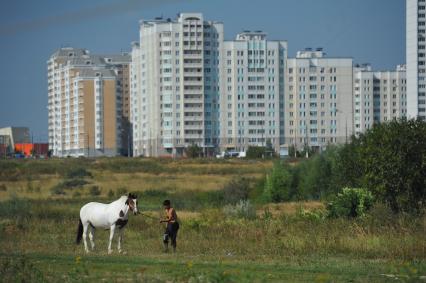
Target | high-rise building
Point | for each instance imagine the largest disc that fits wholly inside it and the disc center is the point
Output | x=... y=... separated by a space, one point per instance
x=378 y=96
x=318 y=100
x=175 y=85
x=252 y=92
x=85 y=109
x=416 y=58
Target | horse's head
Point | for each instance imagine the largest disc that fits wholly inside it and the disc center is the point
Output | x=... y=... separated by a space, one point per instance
x=132 y=202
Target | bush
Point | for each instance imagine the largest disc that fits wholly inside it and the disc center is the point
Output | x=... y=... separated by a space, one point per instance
x=94 y=191
x=3 y=188
x=244 y=209
x=194 y=151
x=393 y=162
x=255 y=152
x=278 y=185
x=74 y=183
x=58 y=190
x=350 y=203
x=236 y=190
x=78 y=173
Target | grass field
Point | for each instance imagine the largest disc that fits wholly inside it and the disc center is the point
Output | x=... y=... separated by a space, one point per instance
x=288 y=242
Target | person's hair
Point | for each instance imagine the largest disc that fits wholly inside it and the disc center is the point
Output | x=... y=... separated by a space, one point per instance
x=166 y=202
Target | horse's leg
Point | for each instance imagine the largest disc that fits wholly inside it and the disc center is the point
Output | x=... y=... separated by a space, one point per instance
x=120 y=238
x=111 y=236
x=92 y=237
x=85 y=227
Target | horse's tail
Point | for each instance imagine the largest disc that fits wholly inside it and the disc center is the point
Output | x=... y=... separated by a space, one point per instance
x=79 y=232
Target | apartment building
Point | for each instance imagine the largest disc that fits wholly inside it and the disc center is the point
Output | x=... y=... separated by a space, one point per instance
x=85 y=98
x=416 y=58
x=175 y=85
x=378 y=96
x=318 y=100
x=252 y=92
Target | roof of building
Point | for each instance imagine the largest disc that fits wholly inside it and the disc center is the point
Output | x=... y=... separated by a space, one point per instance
x=70 y=52
x=95 y=72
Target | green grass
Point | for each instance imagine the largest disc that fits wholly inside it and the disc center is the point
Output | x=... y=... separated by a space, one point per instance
x=186 y=269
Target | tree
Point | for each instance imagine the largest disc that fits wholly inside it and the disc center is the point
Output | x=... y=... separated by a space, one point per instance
x=393 y=158
x=194 y=151
x=278 y=184
x=254 y=152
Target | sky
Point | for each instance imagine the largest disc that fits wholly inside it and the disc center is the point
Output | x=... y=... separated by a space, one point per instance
x=370 y=31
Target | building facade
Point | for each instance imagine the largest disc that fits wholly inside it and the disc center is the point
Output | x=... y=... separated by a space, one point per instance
x=416 y=58
x=252 y=92
x=85 y=103
x=318 y=100
x=378 y=96
x=175 y=85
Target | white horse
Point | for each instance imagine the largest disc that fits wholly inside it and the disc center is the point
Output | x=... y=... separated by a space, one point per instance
x=107 y=216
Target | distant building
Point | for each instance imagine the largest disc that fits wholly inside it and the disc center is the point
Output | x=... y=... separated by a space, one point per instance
x=88 y=103
x=318 y=100
x=378 y=96
x=416 y=58
x=252 y=92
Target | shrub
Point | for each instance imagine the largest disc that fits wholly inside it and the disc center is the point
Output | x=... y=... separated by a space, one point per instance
x=58 y=190
x=111 y=194
x=194 y=151
x=311 y=215
x=254 y=152
x=236 y=190
x=278 y=184
x=350 y=203
x=393 y=161
x=3 y=188
x=74 y=183
x=94 y=191
x=244 y=209
x=78 y=173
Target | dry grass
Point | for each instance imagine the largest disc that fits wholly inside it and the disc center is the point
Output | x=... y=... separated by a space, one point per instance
x=176 y=175
x=290 y=208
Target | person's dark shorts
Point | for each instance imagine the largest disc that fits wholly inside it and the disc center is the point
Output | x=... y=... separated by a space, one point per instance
x=171 y=232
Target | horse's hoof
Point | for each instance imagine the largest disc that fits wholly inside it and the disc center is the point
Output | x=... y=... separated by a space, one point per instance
x=110 y=252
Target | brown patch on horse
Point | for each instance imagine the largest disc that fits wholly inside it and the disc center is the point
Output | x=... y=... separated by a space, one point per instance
x=121 y=213
x=131 y=204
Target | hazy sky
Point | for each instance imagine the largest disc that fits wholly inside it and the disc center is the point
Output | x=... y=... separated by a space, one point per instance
x=30 y=31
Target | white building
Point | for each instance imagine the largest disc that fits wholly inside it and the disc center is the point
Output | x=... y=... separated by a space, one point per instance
x=252 y=92
x=175 y=85
x=416 y=58
x=318 y=100
x=378 y=96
